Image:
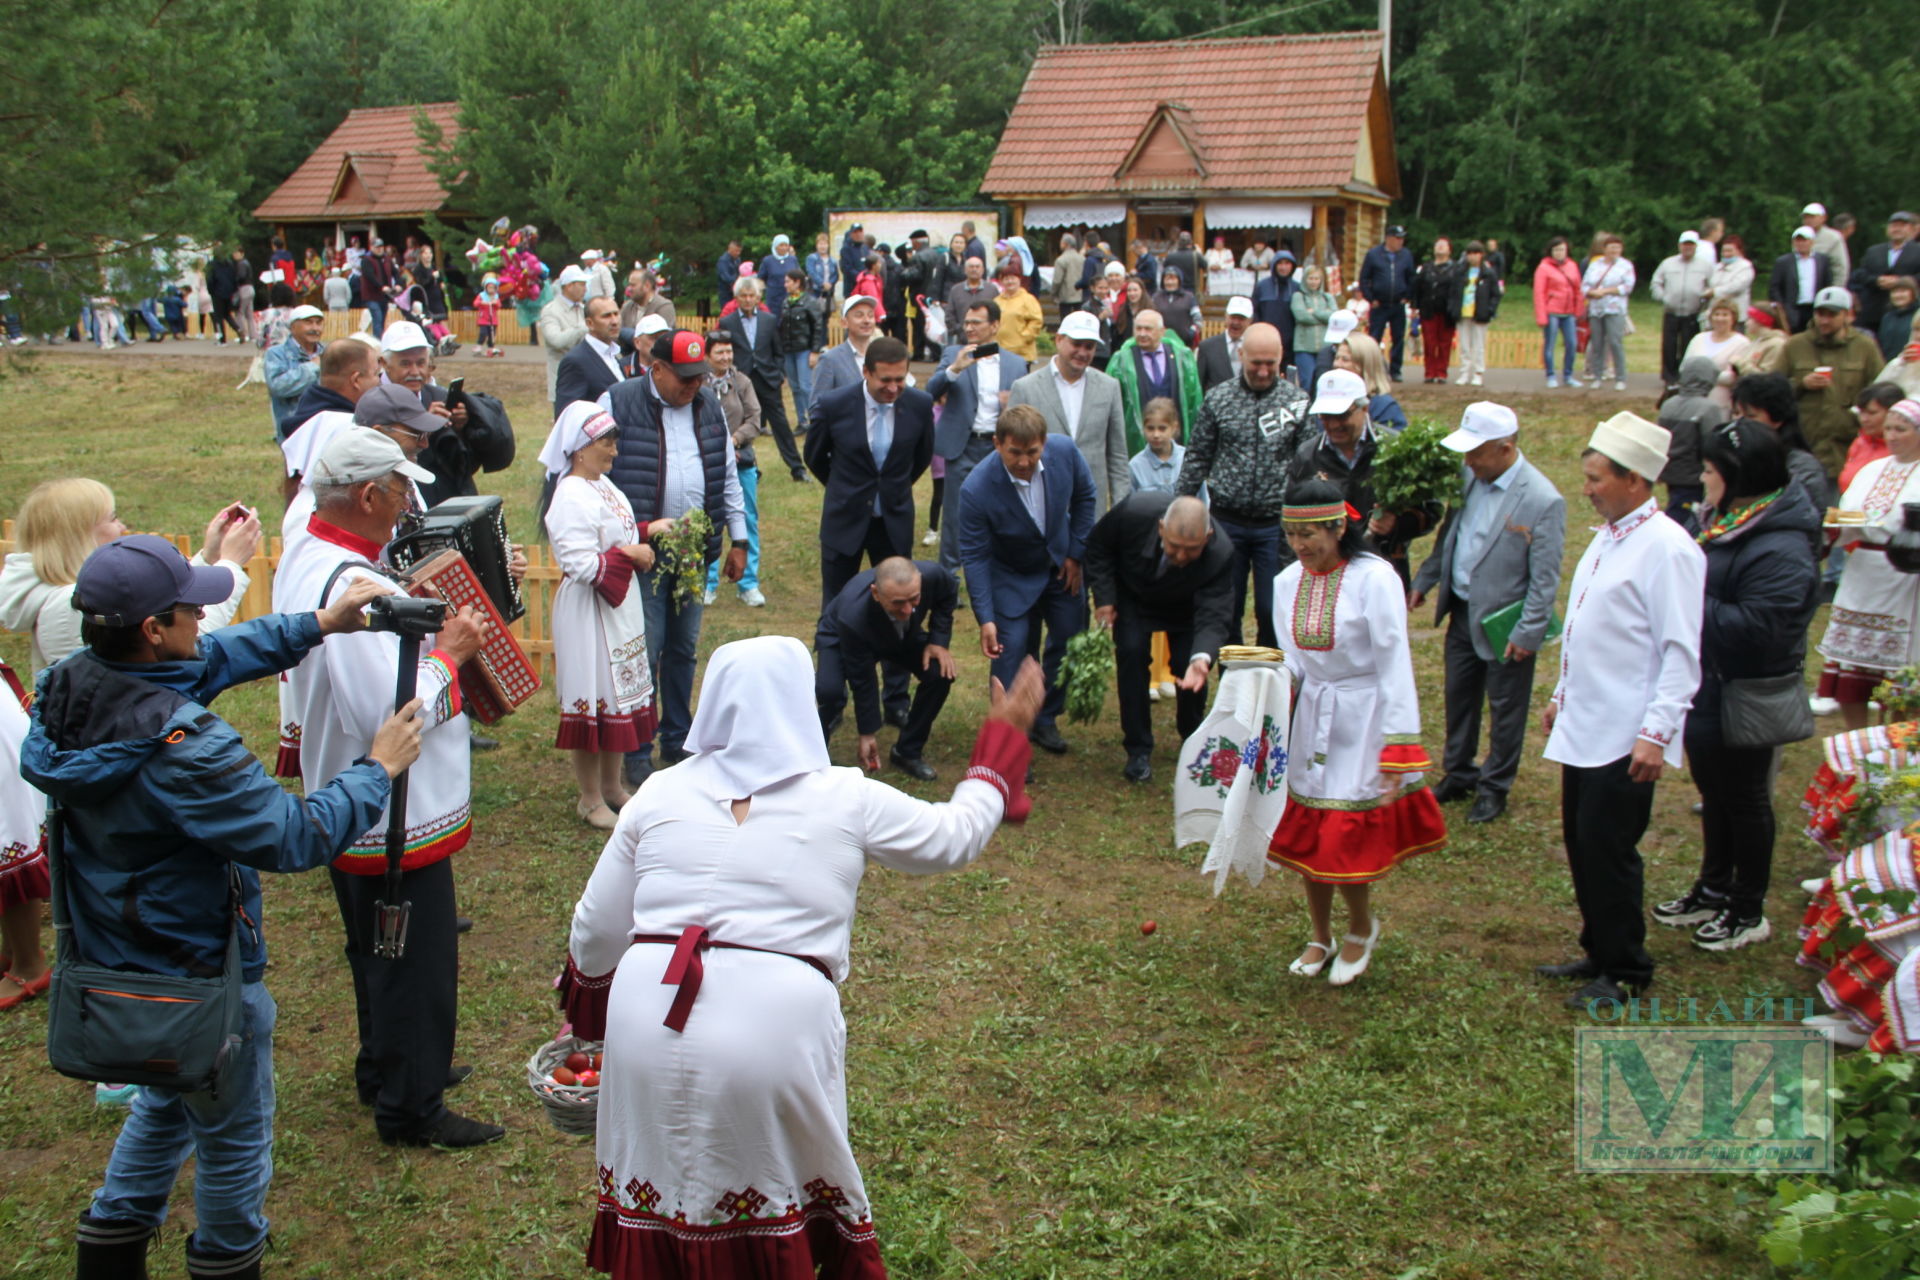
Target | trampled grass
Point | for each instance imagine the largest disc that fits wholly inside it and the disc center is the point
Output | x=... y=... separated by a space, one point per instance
x=1038 y=1090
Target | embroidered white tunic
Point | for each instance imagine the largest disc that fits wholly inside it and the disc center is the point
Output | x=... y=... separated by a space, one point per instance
x=1630 y=658
x=23 y=812
x=1876 y=612
x=599 y=648
x=737 y=1127
x=342 y=692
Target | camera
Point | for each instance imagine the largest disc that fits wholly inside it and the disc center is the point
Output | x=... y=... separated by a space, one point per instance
x=415 y=616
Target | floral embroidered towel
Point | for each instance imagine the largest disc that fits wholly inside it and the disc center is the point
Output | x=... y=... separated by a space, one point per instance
x=1232 y=784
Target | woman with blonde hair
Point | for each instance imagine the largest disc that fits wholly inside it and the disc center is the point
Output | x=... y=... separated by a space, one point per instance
x=1723 y=343
x=1360 y=354
x=60 y=524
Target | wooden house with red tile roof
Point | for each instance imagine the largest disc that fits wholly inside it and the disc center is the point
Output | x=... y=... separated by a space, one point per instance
x=1286 y=134
x=370 y=173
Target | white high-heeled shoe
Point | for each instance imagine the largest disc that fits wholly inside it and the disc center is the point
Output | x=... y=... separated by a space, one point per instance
x=1302 y=968
x=1345 y=971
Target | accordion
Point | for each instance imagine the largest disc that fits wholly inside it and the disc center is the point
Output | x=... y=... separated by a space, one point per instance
x=498 y=678
x=476 y=527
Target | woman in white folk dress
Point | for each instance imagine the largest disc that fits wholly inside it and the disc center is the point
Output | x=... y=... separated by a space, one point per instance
x=706 y=950
x=1874 y=629
x=1357 y=798
x=601 y=677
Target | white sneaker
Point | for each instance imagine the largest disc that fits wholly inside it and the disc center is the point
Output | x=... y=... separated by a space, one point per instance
x=752 y=598
x=1572 y=381
x=1620 y=385
x=1168 y=689
x=1477 y=381
x=1153 y=693
x=1553 y=382
x=1823 y=706
x=931 y=538
x=708 y=597
x=1461 y=381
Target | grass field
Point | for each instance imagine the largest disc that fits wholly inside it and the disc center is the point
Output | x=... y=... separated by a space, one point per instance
x=1037 y=1089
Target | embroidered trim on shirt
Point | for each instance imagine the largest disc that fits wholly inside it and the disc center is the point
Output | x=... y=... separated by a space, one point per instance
x=1314 y=605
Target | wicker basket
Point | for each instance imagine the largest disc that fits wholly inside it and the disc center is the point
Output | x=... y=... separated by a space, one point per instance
x=573 y=1109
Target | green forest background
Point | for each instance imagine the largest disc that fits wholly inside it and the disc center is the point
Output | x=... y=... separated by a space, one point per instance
x=665 y=126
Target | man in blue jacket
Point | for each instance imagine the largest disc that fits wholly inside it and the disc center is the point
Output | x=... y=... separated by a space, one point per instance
x=1024 y=523
x=1386 y=282
x=168 y=820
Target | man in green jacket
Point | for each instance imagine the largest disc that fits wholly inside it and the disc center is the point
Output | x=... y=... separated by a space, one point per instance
x=1151 y=364
x=1829 y=364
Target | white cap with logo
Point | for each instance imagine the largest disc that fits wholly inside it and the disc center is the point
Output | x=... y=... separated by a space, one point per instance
x=1339 y=325
x=403 y=335
x=1337 y=391
x=1080 y=327
x=1240 y=306
x=1483 y=421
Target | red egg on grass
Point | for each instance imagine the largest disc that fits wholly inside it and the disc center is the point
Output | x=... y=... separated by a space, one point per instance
x=1147 y=927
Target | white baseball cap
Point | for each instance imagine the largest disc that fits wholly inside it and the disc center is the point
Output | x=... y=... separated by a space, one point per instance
x=1804 y=233
x=592 y=255
x=1815 y=207
x=1833 y=298
x=306 y=311
x=650 y=324
x=402 y=335
x=1483 y=421
x=1080 y=326
x=1339 y=325
x=1337 y=391
x=361 y=454
x=855 y=299
x=571 y=275
x=1239 y=306
x=1689 y=237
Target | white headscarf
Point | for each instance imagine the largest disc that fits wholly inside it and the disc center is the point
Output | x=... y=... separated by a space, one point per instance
x=579 y=425
x=757 y=724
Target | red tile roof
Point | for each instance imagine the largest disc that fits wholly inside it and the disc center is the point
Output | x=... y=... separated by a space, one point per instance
x=371 y=166
x=1276 y=113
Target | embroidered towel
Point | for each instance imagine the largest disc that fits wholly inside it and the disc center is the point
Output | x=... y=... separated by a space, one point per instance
x=1232 y=785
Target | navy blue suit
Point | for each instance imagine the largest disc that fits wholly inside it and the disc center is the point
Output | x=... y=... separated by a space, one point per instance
x=1013 y=566
x=582 y=375
x=841 y=459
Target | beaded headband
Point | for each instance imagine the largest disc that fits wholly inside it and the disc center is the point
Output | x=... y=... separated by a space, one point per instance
x=1326 y=513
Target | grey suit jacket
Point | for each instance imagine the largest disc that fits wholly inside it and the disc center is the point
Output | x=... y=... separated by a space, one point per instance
x=1102 y=437
x=839 y=367
x=1520 y=558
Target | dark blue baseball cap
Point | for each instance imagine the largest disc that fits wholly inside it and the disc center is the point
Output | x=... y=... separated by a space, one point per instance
x=131 y=579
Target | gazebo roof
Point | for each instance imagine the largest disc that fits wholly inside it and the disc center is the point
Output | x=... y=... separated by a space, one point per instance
x=1262 y=114
x=372 y=166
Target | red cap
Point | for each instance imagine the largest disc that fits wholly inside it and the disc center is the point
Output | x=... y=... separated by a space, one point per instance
x=685 y=350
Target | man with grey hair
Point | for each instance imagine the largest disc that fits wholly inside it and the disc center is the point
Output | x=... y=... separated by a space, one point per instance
x=756 y=353
x=1157 y=562
x=900 y=613
x=563 y=321
x=1067 y=267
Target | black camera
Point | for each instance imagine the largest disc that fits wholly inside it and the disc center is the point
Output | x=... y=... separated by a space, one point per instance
x=415 y=616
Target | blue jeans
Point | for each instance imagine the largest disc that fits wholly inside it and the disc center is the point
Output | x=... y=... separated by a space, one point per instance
x=673 y=634
x=800 y=378
x=377 y=313
x=750 y=492
x=1569 y=335
x=1256 y=548
x=230 y=1138
x=1303 y=366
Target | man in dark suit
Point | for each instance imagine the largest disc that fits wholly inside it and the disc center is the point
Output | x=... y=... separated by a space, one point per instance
x=1797 y=277
x=971 y=387
x=1157 y=562
x=1024 y=523
x=899 y=612
x=870 y=442
x=1881 y=266
x=589 y=370
x=1219 y=356
x=756 y=353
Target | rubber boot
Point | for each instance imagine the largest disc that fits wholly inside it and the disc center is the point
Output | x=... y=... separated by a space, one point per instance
x=111 y=1249
x=225 y=1266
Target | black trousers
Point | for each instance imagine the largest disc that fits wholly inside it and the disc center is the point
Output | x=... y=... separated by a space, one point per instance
x=773 y=412
x=1676 y=331
x=223 y=319
x=1133 y=629
x=837 y=570
x=1507 y=688
x=830 y=694
x=1603 y=814
x=406 y=1008
x=1737 y=825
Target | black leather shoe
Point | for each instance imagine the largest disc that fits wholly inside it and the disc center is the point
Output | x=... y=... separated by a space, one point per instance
x=1448 y=791
x=800 y=476
x=897 y=717
x=1580 y=970
x=673 y=755
x=912 y=766
x=1487 y=806
x=450 y=1130
x=1601 y=990
x=1139 y=768
x=638 y=771
x=1048 y=739
x=481 y=742
x=463 y=924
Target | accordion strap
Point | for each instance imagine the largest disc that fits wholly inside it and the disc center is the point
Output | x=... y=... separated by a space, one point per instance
x=326 y=591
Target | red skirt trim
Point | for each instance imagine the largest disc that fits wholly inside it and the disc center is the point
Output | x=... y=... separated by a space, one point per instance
x=1848 y=685
x=426 y=851
x=23 y=875
x=605 y=733
x=811 y=1243
x=1405 y=758
x=1853 y=986
x=1346 y=846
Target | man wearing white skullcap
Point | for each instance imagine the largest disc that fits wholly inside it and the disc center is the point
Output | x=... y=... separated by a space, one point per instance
x=1629 y=666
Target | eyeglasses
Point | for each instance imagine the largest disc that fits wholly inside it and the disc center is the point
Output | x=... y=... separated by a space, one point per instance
x=167 y=619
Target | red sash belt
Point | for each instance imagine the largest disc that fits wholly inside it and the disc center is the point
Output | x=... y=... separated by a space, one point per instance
x=685 y=970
